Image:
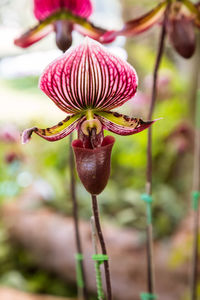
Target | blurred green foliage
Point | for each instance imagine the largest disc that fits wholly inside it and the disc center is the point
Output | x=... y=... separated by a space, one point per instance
x=120 y=203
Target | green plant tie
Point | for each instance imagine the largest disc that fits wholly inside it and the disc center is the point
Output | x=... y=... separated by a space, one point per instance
x=148 y=199
x=79 y=273
x=147 y=296
x=195 y=199
x=99 y=259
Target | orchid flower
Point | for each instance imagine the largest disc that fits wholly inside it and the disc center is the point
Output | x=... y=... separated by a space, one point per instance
x=181 y=18
x=61 y=16
x=87 y=82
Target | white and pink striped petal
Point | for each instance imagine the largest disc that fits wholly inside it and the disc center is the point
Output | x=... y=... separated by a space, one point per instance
x=45 y=8
x=89 y=77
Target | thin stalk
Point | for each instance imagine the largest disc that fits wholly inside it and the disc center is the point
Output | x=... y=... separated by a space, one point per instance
x=196 y=187
x=82 y=292
x=195 y=258
x=97 y=265
x=94 y=235
x=196 y=181
x=102 y=244
x=150 y=265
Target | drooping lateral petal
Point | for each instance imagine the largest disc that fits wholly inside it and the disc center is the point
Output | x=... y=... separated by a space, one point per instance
x=57 y=132
x=45 y=8
x=145 y=22
x=138 y=25
x=193 y=8
x=89 y=76
x=34 y=35
x=122 y=124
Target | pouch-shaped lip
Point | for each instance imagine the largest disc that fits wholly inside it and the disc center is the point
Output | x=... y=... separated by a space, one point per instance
x=93 y=165
x=108 y=140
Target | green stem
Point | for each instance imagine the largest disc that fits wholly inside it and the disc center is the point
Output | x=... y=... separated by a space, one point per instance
x=150 y=265
x=196 y=188
x=100 y=293
x=102 y=244
x=82 y=287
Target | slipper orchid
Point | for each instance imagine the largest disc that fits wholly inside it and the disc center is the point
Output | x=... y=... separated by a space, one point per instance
x=61 y=16
x=87 y=82
x=182 y=16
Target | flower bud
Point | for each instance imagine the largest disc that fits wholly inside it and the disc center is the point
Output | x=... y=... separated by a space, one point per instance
x=182 y=35
x=93 y=165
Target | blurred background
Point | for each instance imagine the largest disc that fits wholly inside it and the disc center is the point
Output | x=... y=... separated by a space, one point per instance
x=34 y=178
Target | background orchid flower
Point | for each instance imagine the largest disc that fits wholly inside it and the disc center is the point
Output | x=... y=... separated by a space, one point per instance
x=87 y=82
x=61 y=16
x=182 y=16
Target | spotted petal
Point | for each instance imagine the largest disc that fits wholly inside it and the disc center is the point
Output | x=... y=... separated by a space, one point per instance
x=89 y=76
x=57 y=132
x=138 y=25
x=45 y=8
x=122 y=124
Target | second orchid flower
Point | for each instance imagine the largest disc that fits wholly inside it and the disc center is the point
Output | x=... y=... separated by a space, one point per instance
x=63 y=17
x=182 y=16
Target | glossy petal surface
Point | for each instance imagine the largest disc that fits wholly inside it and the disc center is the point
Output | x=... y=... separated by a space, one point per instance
x=89 y=76
x=55 y=133
x=34 y=35
x=122 y=124
x=45 y=8
x=93 y=165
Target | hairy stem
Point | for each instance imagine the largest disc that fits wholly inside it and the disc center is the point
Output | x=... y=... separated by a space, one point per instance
x=102 y=244
x=150 y=270
x=82 y=292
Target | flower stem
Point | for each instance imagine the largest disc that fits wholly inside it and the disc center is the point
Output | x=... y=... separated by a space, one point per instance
x=97 y=265
x=102 y=244
x=150 y=270
x=195 y=258
x=82 y=291
x=196 y=186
